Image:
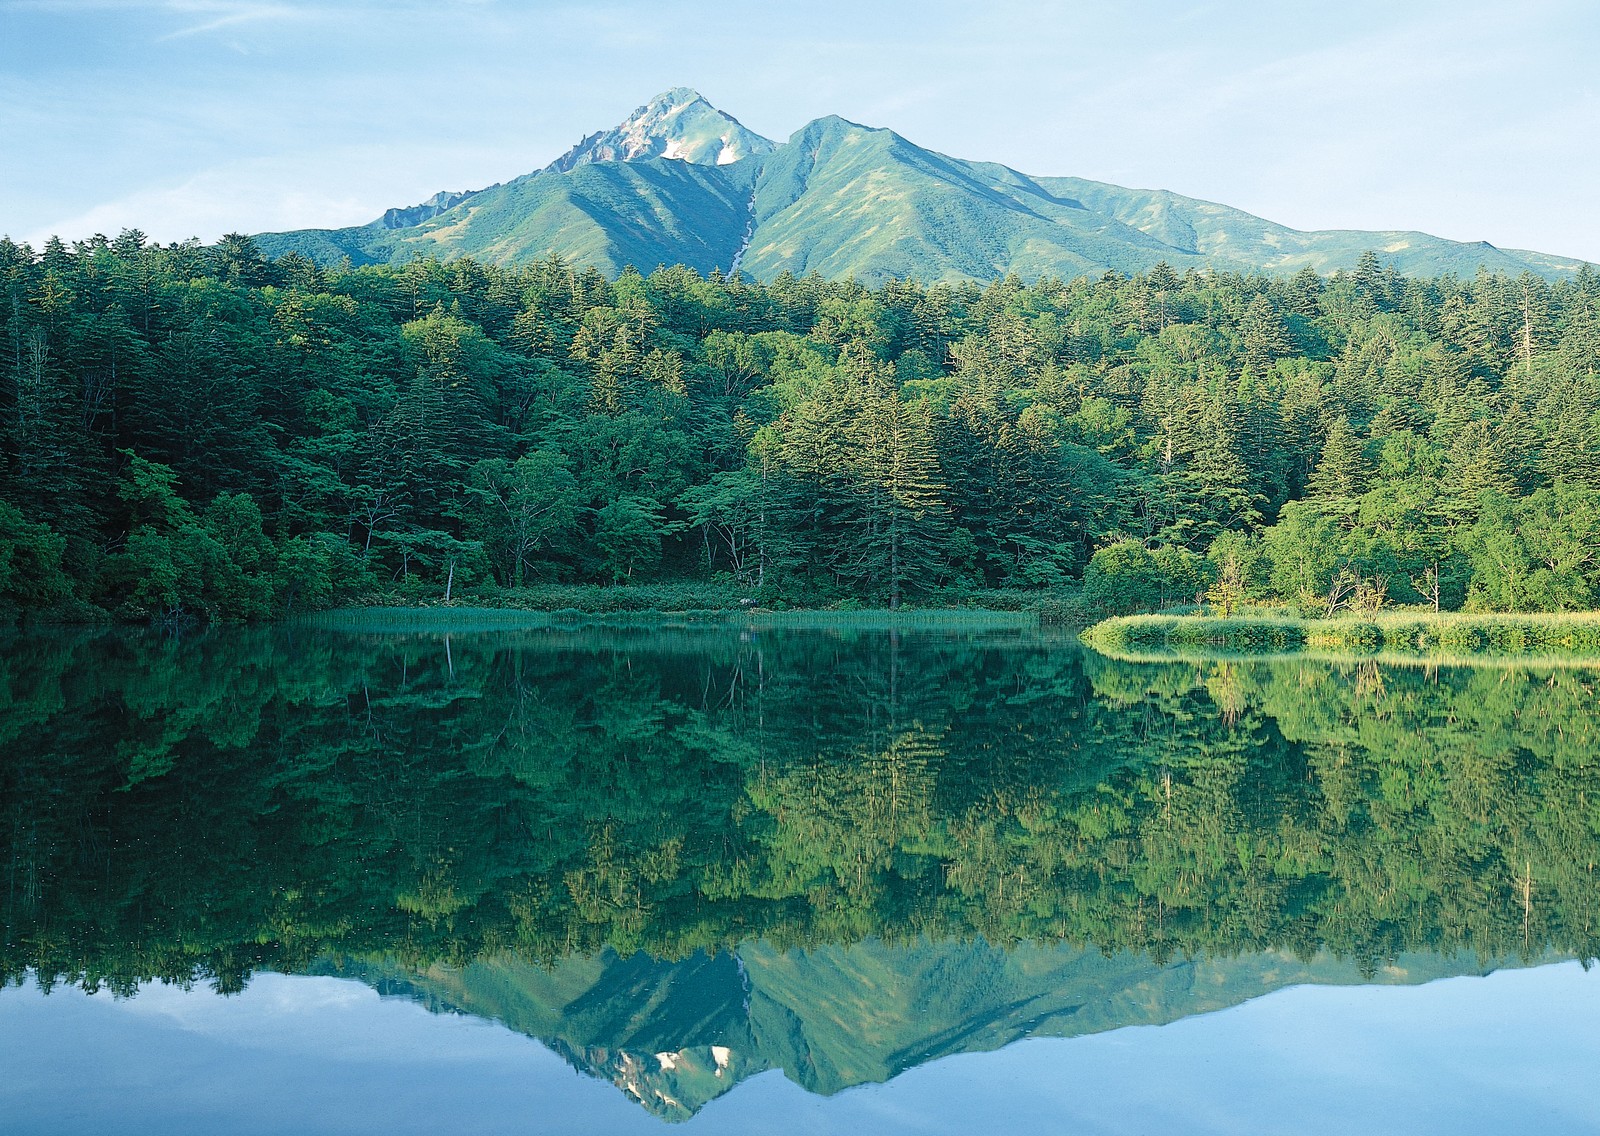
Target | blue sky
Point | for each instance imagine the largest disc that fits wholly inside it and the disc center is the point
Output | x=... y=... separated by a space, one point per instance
x=1471 y=120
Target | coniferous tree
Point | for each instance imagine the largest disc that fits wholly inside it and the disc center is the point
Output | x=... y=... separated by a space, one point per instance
x=1341 y=472
x=908 y=516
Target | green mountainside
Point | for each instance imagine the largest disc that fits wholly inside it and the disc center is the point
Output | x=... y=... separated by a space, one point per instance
x=676 y=1035
x=605 y=214
x=680 y=182
x=1222 y=235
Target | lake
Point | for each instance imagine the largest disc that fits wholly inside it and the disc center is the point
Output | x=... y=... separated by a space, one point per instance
x=788 y=879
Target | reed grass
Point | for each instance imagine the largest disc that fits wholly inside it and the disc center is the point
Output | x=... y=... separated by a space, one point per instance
x=690 y=596
x=898 y=620
x=697 y=602
x=465 y=620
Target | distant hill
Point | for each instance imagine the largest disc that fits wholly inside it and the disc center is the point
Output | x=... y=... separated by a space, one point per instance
x=675 y=1035
x=680 y=182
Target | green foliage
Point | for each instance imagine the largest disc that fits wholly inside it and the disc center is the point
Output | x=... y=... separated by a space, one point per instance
x=627 y=534
x=1235 y=562
x=1128 y=577
x=1538 y=554
x=524 y=508
x=175 y=565
x=31 y=573
x=214 y=435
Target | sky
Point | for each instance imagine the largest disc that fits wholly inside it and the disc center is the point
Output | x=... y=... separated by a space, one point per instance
x=1470 y=120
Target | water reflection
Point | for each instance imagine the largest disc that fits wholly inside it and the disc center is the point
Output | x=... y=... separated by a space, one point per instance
x=682 y=857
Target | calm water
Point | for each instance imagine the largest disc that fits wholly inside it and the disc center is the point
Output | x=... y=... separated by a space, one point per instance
x=787 y=881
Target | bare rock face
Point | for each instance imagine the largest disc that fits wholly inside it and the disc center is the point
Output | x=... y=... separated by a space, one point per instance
x=404 y=218
x=676 y=124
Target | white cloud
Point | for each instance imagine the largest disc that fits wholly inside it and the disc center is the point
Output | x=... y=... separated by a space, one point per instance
x=196 y=17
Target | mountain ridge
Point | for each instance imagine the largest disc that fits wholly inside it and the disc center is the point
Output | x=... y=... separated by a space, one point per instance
x=682 y=182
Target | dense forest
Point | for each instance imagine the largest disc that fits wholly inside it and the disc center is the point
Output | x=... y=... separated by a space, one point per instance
x=205 y=806
x=196 y=432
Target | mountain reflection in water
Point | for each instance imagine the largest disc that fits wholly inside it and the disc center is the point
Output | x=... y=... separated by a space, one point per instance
x=682 y=857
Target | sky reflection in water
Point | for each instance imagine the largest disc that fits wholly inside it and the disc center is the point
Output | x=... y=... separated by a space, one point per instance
x=1514 y=1052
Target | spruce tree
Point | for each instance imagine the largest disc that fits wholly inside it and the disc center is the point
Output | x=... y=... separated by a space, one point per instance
x=1342 y=470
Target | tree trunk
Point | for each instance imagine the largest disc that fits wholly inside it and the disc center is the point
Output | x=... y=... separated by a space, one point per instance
x=894 y=565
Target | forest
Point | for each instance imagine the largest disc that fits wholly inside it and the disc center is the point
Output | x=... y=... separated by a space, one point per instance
x=200 y=433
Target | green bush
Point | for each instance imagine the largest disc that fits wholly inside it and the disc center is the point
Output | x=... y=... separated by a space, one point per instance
x=31 y=574
x=1127 y=577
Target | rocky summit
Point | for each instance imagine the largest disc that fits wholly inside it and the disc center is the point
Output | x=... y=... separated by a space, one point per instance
x=677 y=124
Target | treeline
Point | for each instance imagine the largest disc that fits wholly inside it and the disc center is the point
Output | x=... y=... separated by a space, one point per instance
x=213 y=804
x=201 y=432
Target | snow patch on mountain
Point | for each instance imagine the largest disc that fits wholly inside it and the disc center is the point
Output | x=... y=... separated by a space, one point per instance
x=677 y=125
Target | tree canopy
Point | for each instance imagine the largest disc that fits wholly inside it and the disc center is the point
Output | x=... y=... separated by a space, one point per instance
x=189 y=431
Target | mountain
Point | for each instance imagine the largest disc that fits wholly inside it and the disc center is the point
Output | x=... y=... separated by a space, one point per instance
x=680 y=182
x=674 y=1035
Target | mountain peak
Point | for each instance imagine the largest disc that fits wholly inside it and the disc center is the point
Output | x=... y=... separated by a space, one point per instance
x=677 y=124
x=677 y=97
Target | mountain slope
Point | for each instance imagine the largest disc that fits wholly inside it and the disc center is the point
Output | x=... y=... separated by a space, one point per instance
x=681 y=182
x=605 y=214
x=1221 y=234
x=843 y=200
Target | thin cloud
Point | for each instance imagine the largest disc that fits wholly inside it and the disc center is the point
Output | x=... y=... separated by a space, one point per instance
x=199 y=16
x=218 y=14
x=1459 y=119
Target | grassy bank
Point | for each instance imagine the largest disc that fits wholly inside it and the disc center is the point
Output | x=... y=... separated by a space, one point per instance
x=878 y=619
x=1407 y=633
x=557 y=604
x=466 y=620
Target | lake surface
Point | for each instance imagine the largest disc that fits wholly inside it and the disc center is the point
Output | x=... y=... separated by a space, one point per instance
x=773 y=880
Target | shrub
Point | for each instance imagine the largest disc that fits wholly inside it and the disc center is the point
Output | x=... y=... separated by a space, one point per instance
x=1127 y=577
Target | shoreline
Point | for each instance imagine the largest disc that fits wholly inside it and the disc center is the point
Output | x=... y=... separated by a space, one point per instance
x=464 y=619
x=668 y=604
